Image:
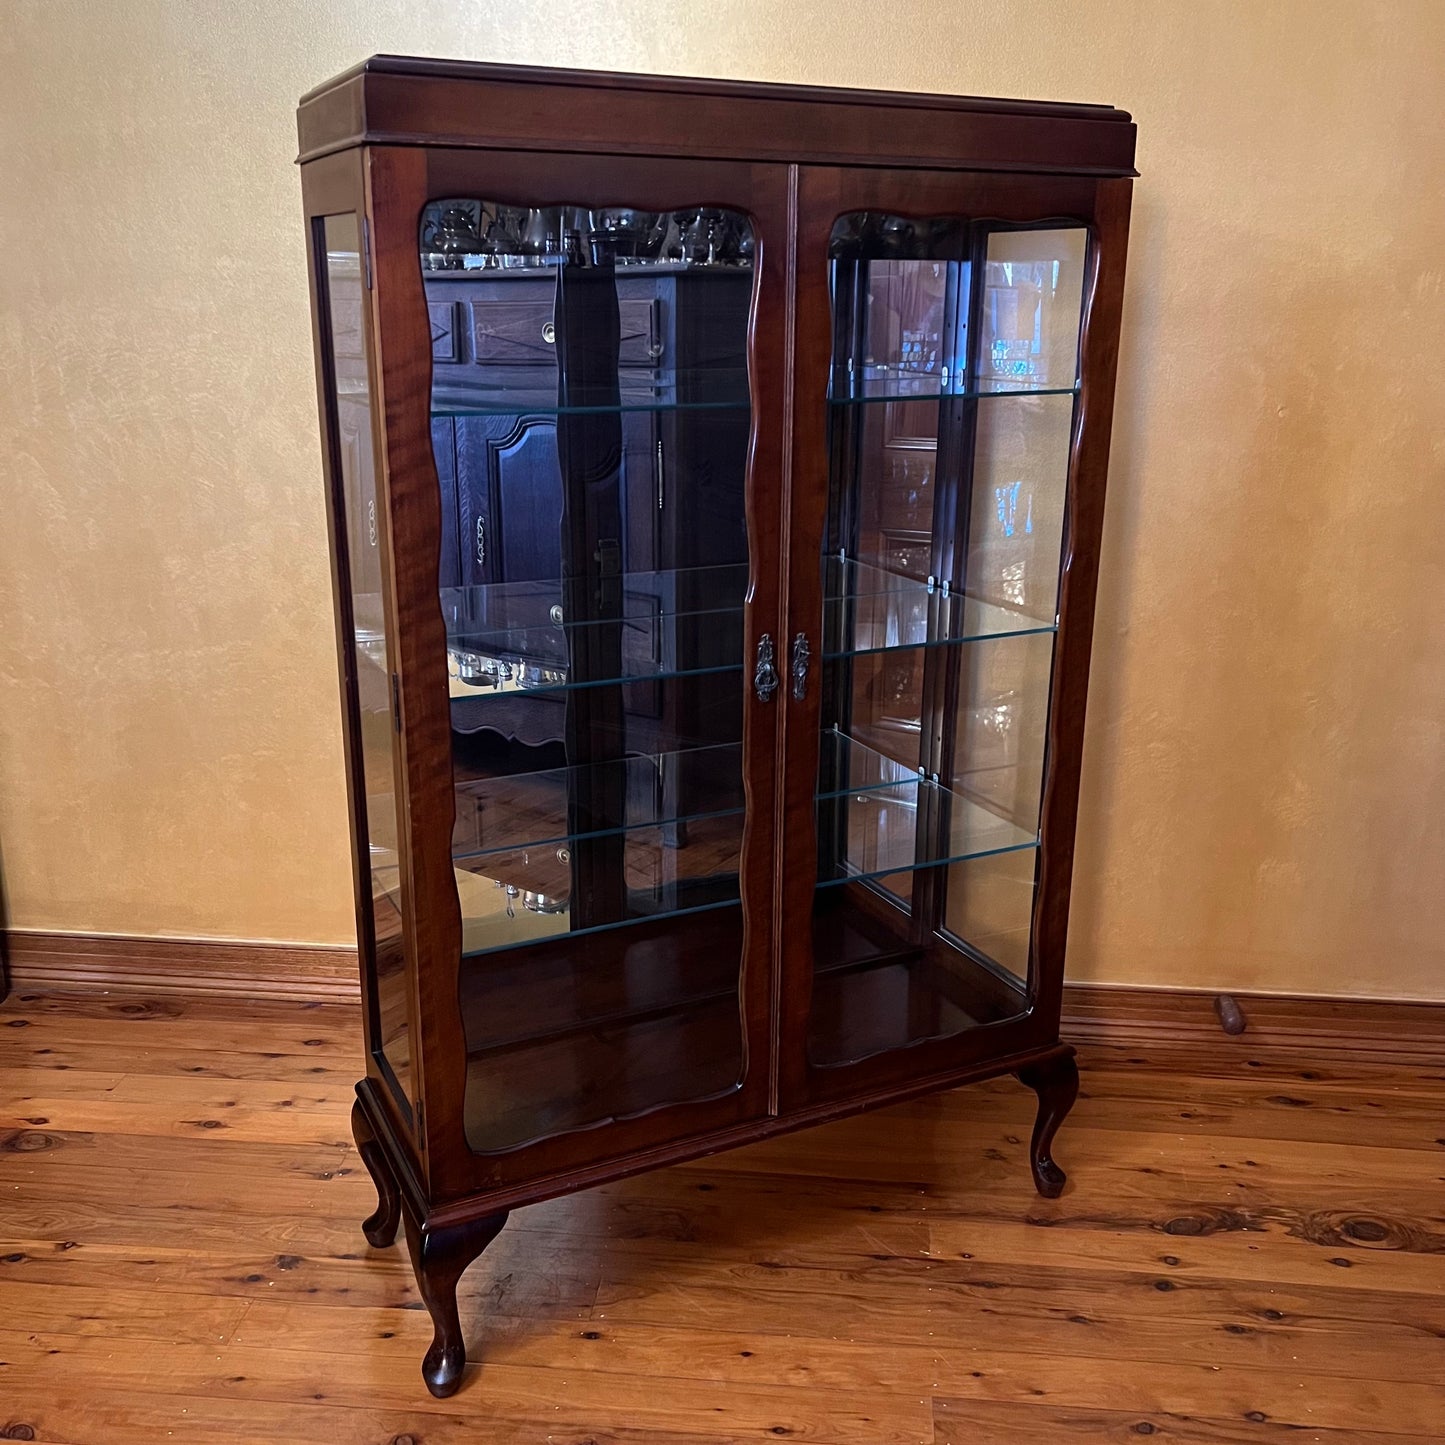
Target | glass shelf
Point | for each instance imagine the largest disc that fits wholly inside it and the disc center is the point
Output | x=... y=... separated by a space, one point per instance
x=880 y=803
x=524 y=927
x=558 y=1052
x=853 y=767
x=883 y=611
x=599 y=846
x=527 y=681
x=554 y=1032
x=528 y=617
x=644 y=789
x=541 y=400
x=895 y=383
x=508 y=638
x=514 y=1001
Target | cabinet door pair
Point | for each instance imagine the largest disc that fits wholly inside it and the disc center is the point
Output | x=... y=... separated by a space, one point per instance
x=752 y=799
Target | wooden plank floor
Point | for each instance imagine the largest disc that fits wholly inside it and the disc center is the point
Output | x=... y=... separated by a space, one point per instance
x=1251 y=1248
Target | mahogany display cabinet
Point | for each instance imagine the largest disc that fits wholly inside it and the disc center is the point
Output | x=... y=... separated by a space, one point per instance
x=715 y=479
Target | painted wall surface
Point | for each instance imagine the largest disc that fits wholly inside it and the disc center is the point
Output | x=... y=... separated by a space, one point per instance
x=1264 y=796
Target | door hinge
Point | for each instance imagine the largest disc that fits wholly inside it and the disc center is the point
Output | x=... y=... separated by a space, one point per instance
x=421 y=1121
x=366 y=250
x=396 y=702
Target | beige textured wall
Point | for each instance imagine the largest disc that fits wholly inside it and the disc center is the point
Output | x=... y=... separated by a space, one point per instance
x=1263 y=802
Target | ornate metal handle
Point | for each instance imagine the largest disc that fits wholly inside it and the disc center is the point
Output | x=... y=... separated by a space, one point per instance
x=481 y=541
x=802 y=656
x=765 y=675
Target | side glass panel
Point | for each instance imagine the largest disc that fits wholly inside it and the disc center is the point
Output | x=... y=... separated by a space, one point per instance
x=951 y=404
x=590 y=422
x=383 y=941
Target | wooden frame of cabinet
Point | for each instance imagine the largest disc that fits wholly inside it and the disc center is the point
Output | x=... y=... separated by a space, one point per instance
x=379 y=145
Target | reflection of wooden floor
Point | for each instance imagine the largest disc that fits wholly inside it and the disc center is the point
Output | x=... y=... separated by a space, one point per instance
x=565 y=1034
x=649 y=857
x=515 y=829
x=568 y=1032
x=1247 y=1250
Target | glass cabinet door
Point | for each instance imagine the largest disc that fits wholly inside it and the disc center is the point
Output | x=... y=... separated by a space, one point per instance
x=591 y=418
x=949 y=414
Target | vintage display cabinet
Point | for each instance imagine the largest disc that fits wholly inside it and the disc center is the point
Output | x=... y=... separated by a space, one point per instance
x=715 y=478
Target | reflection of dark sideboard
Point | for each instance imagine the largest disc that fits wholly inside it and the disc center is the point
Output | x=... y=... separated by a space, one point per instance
x=496 y=434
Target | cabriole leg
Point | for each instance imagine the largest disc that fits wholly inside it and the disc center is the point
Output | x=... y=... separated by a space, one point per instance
x=1056 y=1081
x=439 y=1256
x=380 y=1228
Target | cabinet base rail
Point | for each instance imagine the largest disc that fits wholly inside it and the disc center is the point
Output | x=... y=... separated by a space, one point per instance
x=445 y=1239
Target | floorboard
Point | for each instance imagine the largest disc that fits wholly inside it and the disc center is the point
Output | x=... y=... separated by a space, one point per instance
x=1251 y=1249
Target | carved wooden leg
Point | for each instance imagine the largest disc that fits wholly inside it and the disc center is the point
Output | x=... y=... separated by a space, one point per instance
x=1056 y=1082
x=380 y=1229
x=439 y=1256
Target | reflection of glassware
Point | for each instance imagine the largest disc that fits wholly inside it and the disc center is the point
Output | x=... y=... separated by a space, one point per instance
x=554 y=230
x=896 y=236
x=541 y=234
x=669 y=247
x=711 y=237
x=851 y=235
x=1012 y=308
x=477 y=670
x=693 y=237
x=626 y=234
x=540 y=903
x=450 y=238
x=504 y=235
x=467 y=235
x=533 y=675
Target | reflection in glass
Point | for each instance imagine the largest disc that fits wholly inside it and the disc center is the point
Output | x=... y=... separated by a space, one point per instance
x=590 y=423
x=951 y=407
x=1016 y=515
x=1029 y=322
x=384 y=950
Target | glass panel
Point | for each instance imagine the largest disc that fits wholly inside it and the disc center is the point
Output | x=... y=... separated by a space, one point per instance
x=590 y=419
x=516 y=637
x=383 y=944
x=870 y=609
x=1016 y=516
x=951 y=411
x=1029 y=321
x=990 y=903
x=1000 y=726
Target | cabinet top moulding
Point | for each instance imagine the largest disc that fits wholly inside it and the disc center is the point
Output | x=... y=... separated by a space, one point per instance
x=398 y=100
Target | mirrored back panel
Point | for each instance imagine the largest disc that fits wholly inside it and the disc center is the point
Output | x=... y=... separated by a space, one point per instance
x=591 y=423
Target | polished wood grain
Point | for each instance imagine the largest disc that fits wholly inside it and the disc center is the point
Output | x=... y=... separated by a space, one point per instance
x=401 y=100
x=1251 y=1247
